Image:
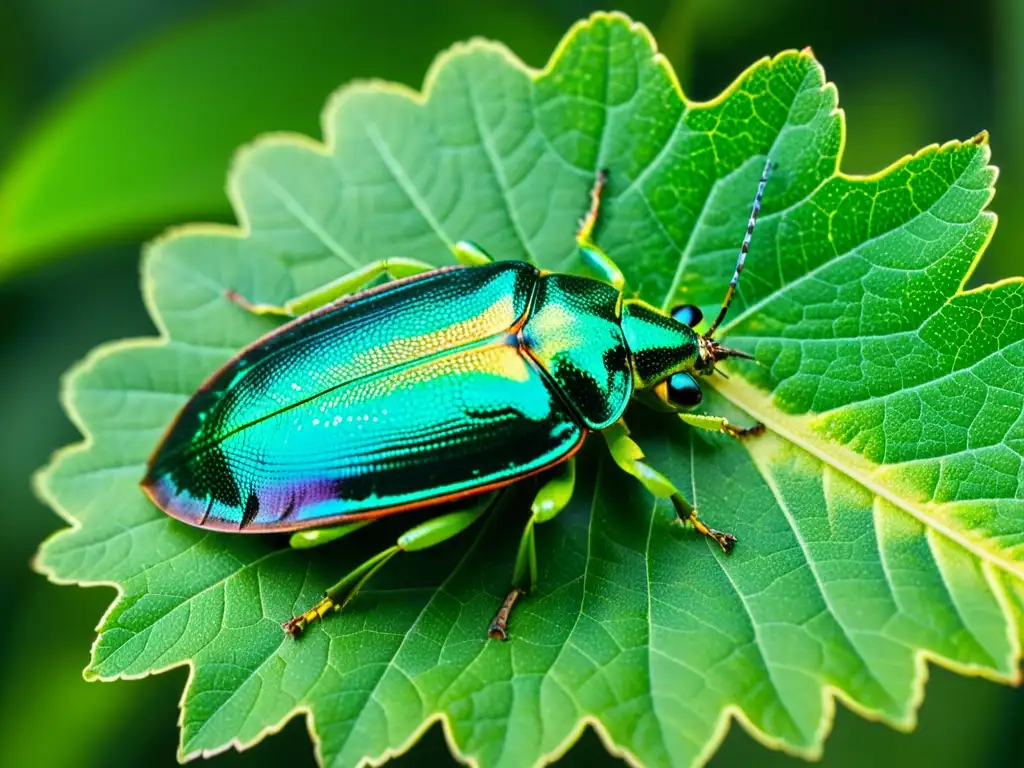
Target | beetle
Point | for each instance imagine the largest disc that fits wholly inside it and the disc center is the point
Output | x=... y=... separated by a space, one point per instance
x=439 y=386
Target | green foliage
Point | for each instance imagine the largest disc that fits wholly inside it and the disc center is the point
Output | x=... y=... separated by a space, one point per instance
x=175 y=110
x=879 y=520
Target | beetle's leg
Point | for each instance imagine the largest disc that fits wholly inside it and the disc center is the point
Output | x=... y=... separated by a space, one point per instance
x=346 y=284
x=659 y=399
x=589 y=250
x=629 y=456
x=320 y=536
x=422 y=536
x=721 y=424
x=601 y=262
x=585 y=233
x=469 y=254
x=551 y=499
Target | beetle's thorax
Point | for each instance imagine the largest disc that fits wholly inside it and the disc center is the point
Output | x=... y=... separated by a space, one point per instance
x=659 y=345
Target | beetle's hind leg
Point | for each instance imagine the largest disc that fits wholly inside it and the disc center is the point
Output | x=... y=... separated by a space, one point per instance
x=551 y=499
x=721 y=424
x=318 y=297
x=338 y=596
x=422 y=536
x=629 y=456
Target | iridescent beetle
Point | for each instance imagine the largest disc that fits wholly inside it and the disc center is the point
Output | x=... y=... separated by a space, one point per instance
x=439 y=386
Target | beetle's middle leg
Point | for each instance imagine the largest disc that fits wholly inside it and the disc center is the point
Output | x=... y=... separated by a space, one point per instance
x=422 y=536
x=396 y=268
x=551 y=499
x=629 y=456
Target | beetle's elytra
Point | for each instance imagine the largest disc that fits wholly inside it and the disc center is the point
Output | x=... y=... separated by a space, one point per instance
x=446 y=383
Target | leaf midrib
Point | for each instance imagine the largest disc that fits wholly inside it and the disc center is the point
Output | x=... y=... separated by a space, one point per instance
x=808 y=444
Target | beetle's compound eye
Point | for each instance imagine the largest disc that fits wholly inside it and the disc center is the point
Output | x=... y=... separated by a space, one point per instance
x=688 y=314
x=684 y=391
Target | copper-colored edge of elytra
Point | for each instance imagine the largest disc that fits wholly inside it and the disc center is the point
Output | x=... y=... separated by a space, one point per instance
x=355 y=517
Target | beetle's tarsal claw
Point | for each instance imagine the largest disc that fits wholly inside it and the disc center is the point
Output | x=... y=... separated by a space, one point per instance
x=725 y=540
x=742 y=433
x=498 y=630
x=296 y=625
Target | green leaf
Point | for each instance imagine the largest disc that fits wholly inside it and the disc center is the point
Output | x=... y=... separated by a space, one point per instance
x=880 y=519
x=144 y=141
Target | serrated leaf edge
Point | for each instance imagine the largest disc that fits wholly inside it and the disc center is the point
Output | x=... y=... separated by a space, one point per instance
x=796 y=429
x=755 y=403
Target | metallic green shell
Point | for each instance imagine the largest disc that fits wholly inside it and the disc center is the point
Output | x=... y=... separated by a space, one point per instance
x=426 y=389
x=659 y=345
x=575 y=334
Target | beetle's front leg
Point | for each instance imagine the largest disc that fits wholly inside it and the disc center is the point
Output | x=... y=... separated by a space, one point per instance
x=422 y=536
x=721 y=424
x=551 y=499
x=687 y=395
x=589 y=250
x=394 y=268
x=629 y=456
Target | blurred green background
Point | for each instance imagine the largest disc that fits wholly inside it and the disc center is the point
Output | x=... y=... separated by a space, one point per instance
x=119 y=117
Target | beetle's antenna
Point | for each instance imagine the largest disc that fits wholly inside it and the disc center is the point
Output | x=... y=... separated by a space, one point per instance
x=743 y=250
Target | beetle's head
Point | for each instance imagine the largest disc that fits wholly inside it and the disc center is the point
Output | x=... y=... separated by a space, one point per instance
x=706 y=351
x=668 y=350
